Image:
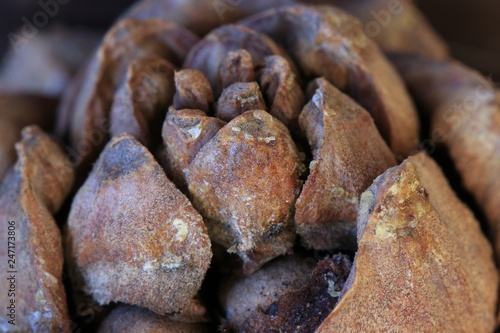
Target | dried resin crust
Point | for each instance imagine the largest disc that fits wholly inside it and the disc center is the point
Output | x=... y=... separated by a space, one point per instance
x=129 y=223
x=326 y=41
x=423 y=264
x=30 y=194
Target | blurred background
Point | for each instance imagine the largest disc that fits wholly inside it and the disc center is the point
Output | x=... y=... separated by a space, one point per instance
x=472 y=28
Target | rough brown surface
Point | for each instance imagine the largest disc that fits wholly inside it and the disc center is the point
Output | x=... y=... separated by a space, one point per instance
x=348 y=154
x=244 y=182
x=140 y=104
x=132 y=319
x=31 y=193
x=282 y=90
x=193 y=91
x=423 y=264
x=208 y=54
x=237 y=66
x=185 y=132
x=301 y=309
x=241 y=297
x=134 y=237
x=327 y=42
x=465 y=116
x=92 y=95
x=239 y=98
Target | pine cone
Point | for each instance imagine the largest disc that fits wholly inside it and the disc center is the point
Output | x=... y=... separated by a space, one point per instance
x=253 y=167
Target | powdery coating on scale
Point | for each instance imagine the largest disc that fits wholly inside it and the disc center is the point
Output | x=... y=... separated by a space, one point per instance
x=244 y=182
x=282 y=90
x=31 y=193
x=348 y=154
x=140 y=104
x=327 y=42
x=208 y=54
x=185 y=132
x=193 y=91
x=423 y=264
x=134 y=237
x=89 y=100
x=239 y=98
x=465 y=117
x=237 y=66
x=133 y=319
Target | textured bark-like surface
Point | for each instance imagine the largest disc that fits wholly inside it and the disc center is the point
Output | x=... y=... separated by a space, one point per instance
x=282 y=90
x=129 y=223
x=243 y=296
x=201 y=16
x=245 y=182
x=302 y=309
x=93 y=94
x=193 y=91
x=465 y=116
x=327 y=42
x=208 y=54
x=45 y=65
x=185 y=132
x=132 y=319
x=348 y=154
x=237 y=66
x=239 y=98
x=396 y=26
x=423 y=264
x=140 y=104
x=31 y=193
